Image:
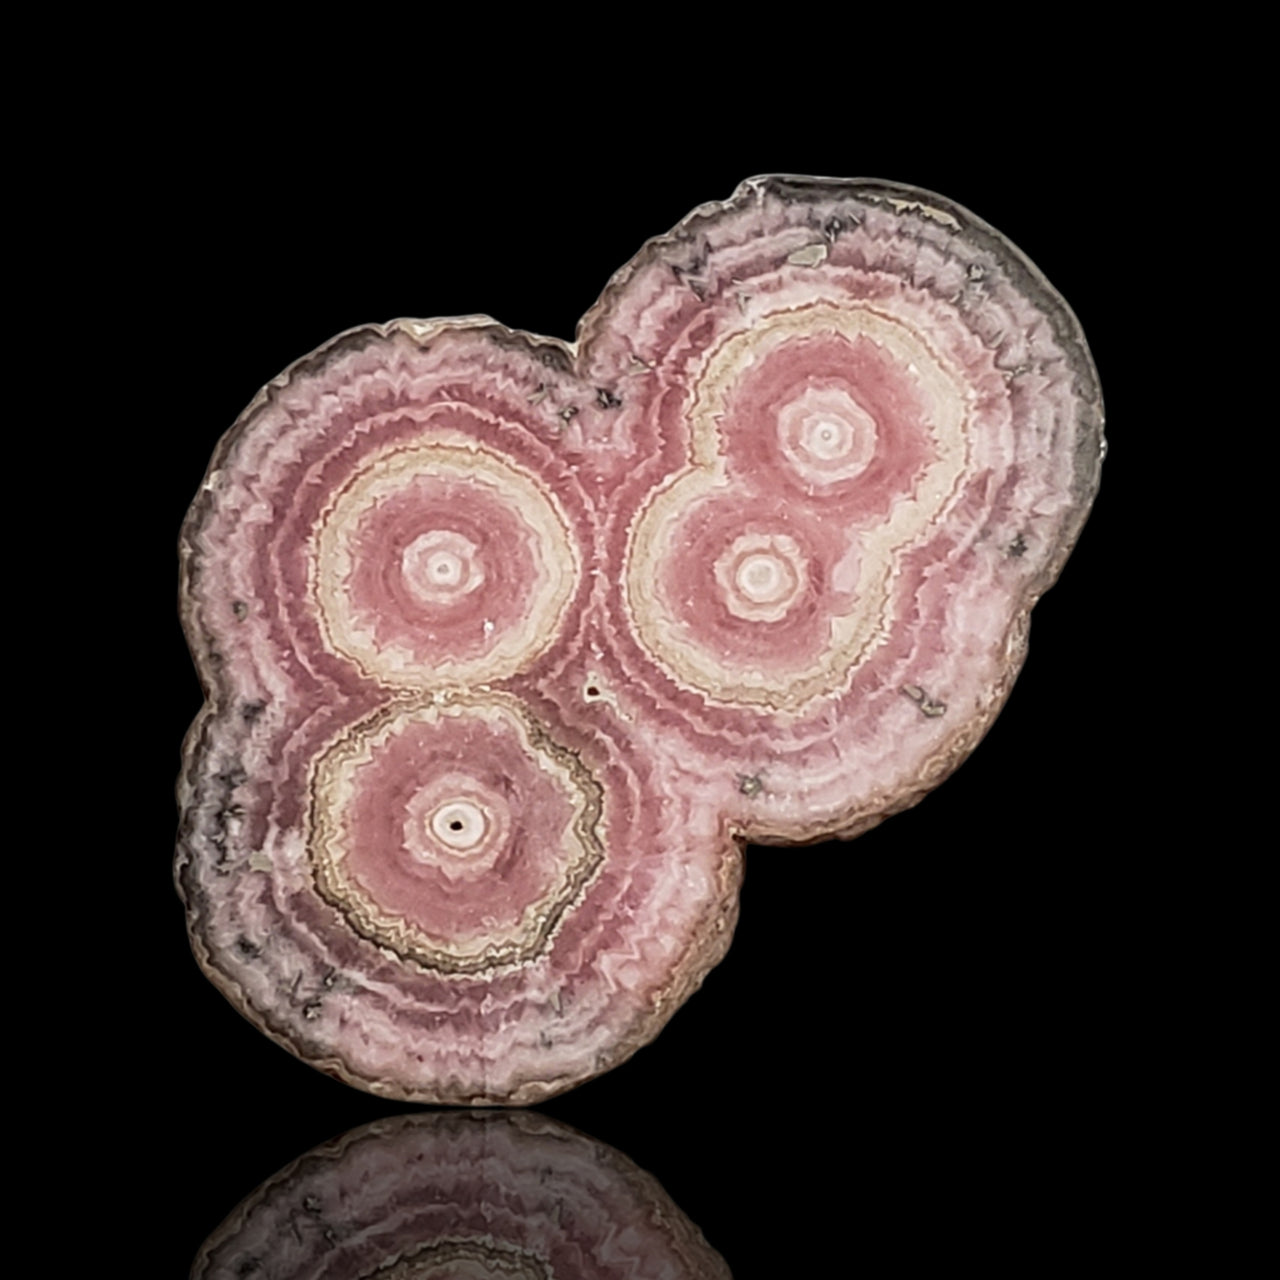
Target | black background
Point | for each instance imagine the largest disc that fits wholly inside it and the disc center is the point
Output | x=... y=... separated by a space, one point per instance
x=915 y=1036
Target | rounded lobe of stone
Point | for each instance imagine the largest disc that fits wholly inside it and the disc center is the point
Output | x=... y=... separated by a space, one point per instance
x=460 y=1196
x=740 y=601
x=509 y=644
x=842 y=421
x=442 y=565
x=454 y=834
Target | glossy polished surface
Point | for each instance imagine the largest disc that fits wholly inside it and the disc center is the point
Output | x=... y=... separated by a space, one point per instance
x=510 y=644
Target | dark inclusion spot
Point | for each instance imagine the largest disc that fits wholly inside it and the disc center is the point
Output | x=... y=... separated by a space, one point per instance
x=232 y=775
x=249 y=950
x=569 y=411
x=930 y=707
x=240 y=609
x=606 y=399
x=554 y=358
x=832 y=228
x=252 y=710
x=749 y=786
x=1018 y=546
x=690 y=276
x=455 y=825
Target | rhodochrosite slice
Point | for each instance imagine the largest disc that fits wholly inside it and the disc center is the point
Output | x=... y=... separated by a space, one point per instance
x=460 y=1196
x=510 y=643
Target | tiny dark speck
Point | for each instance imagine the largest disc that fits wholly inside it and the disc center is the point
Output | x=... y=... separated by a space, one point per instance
x=553 y=358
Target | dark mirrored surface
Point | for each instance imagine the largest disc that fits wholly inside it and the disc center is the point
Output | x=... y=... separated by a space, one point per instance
x=463 y=1195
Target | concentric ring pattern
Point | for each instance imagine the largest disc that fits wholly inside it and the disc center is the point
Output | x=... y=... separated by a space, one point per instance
x=510 y=644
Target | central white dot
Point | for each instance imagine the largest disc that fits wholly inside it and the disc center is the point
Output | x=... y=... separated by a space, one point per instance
x=763 y=578
x=441 y=565
x=460 y=824
x=828 y=439
x=444 y=567
x=826 y=435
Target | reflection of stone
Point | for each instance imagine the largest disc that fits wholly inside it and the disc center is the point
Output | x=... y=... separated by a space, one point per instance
x=511 y=643
x=462 y=1196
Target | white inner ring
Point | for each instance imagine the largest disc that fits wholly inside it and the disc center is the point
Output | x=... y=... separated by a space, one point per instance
x=763 y=579
x=827 y=436
x=445 y=568
x=441 y=566
x=460 y=824
x=827 y=439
